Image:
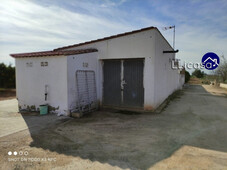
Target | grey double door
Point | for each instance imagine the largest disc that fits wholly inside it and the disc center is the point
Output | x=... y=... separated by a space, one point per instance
x=123 y=83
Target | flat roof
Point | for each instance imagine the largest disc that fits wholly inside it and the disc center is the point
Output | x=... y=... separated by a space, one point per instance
x=53 y=53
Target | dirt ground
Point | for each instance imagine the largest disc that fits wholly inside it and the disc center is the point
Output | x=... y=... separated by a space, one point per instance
x=195 y=80
x=190 y=133
x=6 y=94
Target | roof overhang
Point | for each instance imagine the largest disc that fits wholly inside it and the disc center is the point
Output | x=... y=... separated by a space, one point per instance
x=174 y=51
x=53 y=53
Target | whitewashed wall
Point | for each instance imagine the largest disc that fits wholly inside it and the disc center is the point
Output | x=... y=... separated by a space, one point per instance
x=74 y=63
x=167 y=80
x=31 y=81
x=181 y=81
x=139 y=45
x=60 y=74
x=159 y=78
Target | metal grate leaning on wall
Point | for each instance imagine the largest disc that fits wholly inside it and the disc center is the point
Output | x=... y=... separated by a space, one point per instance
x=86 y=90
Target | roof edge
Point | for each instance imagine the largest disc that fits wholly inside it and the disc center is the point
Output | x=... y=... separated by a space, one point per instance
x=165 y=39
x=105 y=38
x=53 y=53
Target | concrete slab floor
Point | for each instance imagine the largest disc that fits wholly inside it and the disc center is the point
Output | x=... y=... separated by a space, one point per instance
x=12 y=122
x=190 y=133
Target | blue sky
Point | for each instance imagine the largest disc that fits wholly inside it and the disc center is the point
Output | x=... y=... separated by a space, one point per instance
x=30 y=25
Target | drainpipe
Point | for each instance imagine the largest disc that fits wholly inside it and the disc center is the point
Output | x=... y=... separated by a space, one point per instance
x=46 y=90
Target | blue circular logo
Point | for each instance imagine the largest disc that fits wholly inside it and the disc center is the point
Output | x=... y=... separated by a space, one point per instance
x=210 y=61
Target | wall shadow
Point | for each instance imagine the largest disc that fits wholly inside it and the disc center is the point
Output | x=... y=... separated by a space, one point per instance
x=137 y=141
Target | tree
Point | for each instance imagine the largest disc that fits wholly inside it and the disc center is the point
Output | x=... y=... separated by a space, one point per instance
x=222 y=69
x=7 y=76
x=198 y=73
x=187 y=76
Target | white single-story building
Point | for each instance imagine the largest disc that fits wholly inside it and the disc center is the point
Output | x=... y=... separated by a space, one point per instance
x=127 y=71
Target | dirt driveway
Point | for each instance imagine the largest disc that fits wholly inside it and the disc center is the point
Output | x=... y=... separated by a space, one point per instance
x=190 y=133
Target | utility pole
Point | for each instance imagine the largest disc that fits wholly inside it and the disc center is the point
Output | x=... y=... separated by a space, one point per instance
x=174 y=37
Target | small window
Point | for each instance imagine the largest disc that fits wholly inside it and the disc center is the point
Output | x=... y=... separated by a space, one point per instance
x=29 y=64
x=44 y=64
x=85 y=64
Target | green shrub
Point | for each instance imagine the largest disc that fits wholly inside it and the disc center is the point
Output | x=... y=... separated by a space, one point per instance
x=187 y=76
x=7 y=76
x=198 y=73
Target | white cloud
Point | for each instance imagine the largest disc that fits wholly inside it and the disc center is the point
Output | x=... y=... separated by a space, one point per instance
x=31 y=27
x=198 y=29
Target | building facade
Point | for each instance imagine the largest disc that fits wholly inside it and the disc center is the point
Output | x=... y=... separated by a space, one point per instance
x=126 y=71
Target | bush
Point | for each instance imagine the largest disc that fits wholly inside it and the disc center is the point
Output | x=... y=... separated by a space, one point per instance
x=7 y=76
x=198 y=73
x=187 y=76
x=206 y=82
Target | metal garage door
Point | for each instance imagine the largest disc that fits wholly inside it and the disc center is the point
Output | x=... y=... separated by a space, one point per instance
x=112 y=83
x=123 y=83
x=133 y=87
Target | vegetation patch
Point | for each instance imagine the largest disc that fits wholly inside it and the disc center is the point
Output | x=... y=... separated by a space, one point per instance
x=53 y=109
x=7 y=76
x=175 y=95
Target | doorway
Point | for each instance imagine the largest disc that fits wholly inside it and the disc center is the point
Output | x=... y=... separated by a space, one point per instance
x=123 y=83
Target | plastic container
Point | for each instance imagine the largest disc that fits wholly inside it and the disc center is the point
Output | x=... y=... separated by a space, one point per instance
x=43 y=109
